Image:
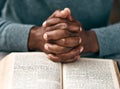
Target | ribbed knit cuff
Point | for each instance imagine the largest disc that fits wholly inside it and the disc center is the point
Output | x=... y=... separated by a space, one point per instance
x=16 y=37
x=108 y=40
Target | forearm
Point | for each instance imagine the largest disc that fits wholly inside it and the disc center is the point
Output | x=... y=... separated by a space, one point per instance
x=13 y=36
x=108 y=39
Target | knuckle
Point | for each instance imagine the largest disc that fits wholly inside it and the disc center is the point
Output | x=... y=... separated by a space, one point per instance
x=63 y=41
x=76 y=40
x=62 y=25
x=47 y=21
x=76 y=28
x=65 y=25
x=57 y=19
x=79 y=40
x=49 y=28
x=63 y=49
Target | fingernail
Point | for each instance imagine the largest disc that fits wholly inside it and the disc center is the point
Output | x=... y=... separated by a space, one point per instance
x=46 y=46
x=45 y=36
x=44 y=24
x=80 y=29
x=81 y=49
x=80 y=40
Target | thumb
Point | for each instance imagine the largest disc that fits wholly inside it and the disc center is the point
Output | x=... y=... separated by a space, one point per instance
x=66 y=13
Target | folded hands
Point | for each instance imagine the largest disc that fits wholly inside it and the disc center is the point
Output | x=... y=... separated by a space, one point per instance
x=62 y=38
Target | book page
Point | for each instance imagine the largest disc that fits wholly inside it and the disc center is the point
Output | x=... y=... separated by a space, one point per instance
x=6 y=72
x=2 y=55
x=35 y=71
x=117 y=71
x=90 y=74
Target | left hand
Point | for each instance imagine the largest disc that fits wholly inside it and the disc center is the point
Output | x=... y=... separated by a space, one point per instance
x=83 y=42
x=67 y=35
x=89 y=39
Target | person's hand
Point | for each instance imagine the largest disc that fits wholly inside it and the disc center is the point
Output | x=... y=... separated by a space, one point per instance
x=64 y=14
x=89 y=38
x=61 y=26
x=36 y=41
x=67 y=36
x=67 y=32
x=81 y=42
x=89 y=41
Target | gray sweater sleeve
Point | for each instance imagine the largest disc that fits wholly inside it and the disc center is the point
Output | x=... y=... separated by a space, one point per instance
x=13 y=36
x=108 y=39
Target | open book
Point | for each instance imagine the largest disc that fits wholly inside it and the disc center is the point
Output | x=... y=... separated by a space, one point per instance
x=36 y=71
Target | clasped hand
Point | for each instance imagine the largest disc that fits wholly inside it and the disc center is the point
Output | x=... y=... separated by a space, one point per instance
x=61 y=37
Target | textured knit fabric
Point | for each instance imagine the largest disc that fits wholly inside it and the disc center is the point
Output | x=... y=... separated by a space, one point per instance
x=18 y=16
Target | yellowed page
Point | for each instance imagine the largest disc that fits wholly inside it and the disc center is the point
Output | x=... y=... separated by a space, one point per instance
x=6 y=72
x=3 y=54
x=90 y=74
x=35 y=71
x=29 y=71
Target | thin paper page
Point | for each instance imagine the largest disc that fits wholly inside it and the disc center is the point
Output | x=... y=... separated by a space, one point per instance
x=89 y=74
x=35 y=71
x=2 y=54
x=6 y=72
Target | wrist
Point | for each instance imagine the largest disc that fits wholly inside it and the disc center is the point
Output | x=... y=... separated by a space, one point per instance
x=31 y=42
x=94 y=48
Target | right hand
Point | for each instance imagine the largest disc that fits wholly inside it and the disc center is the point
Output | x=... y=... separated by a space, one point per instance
x=55 y=21
x=65 y=54
x=37 y=42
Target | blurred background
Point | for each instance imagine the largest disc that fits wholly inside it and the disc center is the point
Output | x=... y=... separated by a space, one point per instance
x=115 y=14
